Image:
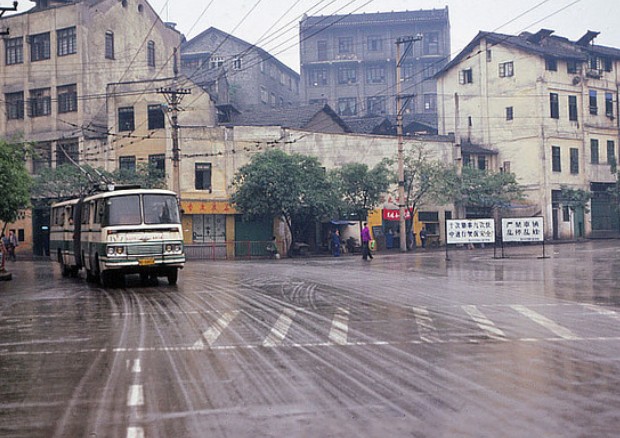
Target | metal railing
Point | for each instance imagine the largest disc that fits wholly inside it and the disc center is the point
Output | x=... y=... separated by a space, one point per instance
x=231 y=250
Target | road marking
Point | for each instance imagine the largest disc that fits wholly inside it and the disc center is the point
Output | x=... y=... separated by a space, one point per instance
x=426 y=328
x=135 y=432
x=603 y=311
x=340 y=327
x=216 y=329
x=137 y=368
x=485 y=323
x=135 y=396
x=280 y=328
x=562 y=332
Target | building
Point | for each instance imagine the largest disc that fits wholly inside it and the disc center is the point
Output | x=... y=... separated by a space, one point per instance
x=549 y=107
x=349 y=61
x=238 y=73
x=56 y=65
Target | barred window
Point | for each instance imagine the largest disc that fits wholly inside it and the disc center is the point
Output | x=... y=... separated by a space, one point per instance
x=14 y=105
x=66 y=41
x=40 y=103
x=14 y=50
x=126 y=119
x=40 y=47
x=67 y=98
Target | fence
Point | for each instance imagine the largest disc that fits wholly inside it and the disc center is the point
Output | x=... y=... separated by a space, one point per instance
x=231 y=250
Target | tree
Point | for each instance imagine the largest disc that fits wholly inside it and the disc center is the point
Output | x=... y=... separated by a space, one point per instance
x=575 y=199
x=15 y=181
x=147 y=176
x=481 y=188
x=361 y=189
x=277 y=185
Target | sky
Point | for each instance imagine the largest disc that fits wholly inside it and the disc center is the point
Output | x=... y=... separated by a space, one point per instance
x=273 y=24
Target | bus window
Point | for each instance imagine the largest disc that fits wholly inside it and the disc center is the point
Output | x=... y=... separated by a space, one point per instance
x=161 y=209
x=99 y=209
x=85 y=213
x=122 y=210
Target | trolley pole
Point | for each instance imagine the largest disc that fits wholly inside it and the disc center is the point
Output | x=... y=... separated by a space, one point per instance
x=402 y=226
x=174 y=96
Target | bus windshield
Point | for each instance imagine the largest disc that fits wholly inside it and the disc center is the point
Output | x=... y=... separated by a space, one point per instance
x=123 y=210
x=161 y=209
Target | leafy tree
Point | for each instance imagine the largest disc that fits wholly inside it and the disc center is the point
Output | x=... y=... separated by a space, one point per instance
x=481 y=188
x=148 y=176
x=361 y=188
x=575 y=199
x=277 y=185
x=14 y=181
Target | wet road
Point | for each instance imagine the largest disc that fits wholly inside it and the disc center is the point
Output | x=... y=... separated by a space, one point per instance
x=404 y=346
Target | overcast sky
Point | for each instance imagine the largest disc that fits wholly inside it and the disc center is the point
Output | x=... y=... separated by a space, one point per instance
x=251 y=20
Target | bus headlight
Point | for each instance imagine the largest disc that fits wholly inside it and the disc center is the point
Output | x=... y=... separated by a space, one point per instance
x=173 y=248
x=117 y=251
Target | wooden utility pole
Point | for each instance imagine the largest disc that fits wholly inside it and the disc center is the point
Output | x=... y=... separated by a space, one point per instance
x=174 y=96
x=402 y=226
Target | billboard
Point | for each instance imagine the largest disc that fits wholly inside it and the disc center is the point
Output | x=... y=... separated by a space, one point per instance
x=470 y=231
x=524 y=229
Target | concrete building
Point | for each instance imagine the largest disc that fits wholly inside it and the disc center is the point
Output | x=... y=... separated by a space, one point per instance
x=238 y=73
x=549 y=107
x=349 y=61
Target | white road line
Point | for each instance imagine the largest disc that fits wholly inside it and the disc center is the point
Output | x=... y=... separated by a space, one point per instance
x=339 y=331
x=485 y=323
x=135 y=396
x=135 y=432
x=562 y=332
x=426 y=328
x=137 y=368
x=603 y=311
x=216 y=329
x=280 y=328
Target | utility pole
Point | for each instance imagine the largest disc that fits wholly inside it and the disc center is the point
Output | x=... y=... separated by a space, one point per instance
x=174 y=96
x=4 y=9
x=402 y=226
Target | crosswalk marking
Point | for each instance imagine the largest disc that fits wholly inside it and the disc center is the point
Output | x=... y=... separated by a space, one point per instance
x=485 y=323
x=426 y=328
x=562 y=332
x=216 y=329
x=280 y=328
x=338 y=333
x=135 y=396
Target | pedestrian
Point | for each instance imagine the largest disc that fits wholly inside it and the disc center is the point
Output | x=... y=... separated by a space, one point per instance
x=366 y=242
x=336 y=243
x=272 y=248
x=12 y=245
x=423 y=234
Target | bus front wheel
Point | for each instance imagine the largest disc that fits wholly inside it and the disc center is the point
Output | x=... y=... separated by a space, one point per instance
x=173 y=276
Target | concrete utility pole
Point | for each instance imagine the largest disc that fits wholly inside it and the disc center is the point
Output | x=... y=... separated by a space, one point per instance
x=4 y=9
x=174 y=96
x=402 y=226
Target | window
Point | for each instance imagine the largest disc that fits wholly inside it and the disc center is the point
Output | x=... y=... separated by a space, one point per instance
x=65 y=152
x=482 y=162
x=264 y=95
x=375 y=43
x=611 y=151
x=317 y=102
x=430 y=102
x=489 y=55
x=407 y=71
x=150 y=54
x=609 y=105
x=14 y=105
x=554 y=101
x=40 y=47
x=376 y=105
x=375 y=74
x=573 y=67
x=156 y=117
x=506 y=69
x=551 y=64
x=126 y=119
x=67 y=98
x=347 y=106
x=572 y=108
x=318 y=77
x=14 y=50
x=237 y=63
x=565 y=213
x=203 y=176
x=431 y=43
x=157 y=163
x=509 y=113
x=109 y=45
x=127 y=163
x=216 y=62
x=272 y=99
x=594 y=151
x=345 y=45
x=347 y=75
x=466 y=76
x=40 y=103
x=574 y=161
x=556 y=159
x=593 y=104
x=42 y=158
x=66 y=41
x=321 y=50
x=429 y=70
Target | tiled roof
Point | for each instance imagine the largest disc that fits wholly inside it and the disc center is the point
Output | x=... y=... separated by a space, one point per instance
x=375 y=18
x=471 y=148
x=294 y=117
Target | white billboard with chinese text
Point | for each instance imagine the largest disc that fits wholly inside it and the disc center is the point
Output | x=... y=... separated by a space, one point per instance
x=470 y=231
x=522 y=229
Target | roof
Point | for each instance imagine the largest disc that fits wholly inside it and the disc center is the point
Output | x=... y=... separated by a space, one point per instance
x=293 y=117
x=380 y=18
x=541 y=43
x=470 y=148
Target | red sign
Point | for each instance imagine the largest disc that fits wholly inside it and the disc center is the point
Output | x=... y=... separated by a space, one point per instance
x=394 y=215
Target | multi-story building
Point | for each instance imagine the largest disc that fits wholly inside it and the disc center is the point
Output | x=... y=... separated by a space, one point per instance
x=549 y=107
x=350 y=61
x=240 y=74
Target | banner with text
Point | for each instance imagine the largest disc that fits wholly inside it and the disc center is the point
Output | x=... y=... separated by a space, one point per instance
x=470 y=231
x=524 y=229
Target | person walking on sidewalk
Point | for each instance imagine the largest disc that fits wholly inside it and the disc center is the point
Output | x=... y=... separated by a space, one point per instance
x=12 y=245
x=366 y=242
x=336 y=243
